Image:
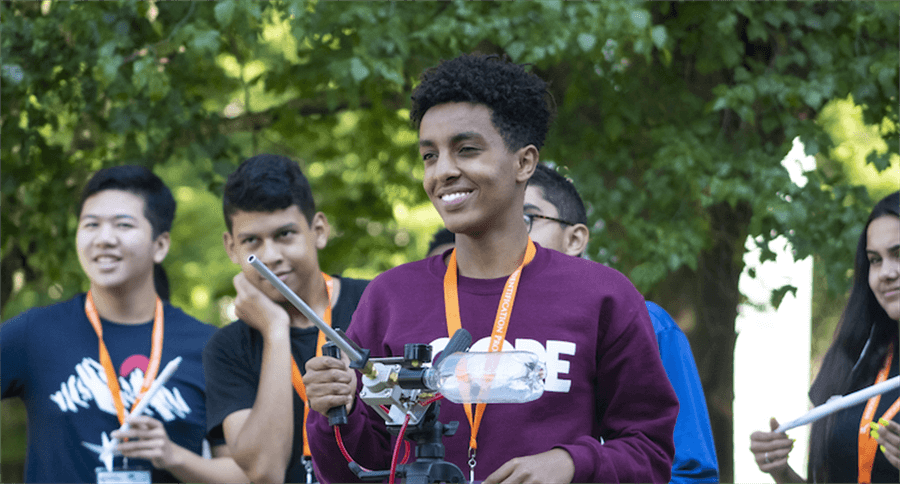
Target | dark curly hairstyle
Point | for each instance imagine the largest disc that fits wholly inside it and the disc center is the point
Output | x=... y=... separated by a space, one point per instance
x=265 y=183
x=521 y=106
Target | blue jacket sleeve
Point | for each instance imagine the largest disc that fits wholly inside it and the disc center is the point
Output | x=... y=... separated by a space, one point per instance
x=695 y=452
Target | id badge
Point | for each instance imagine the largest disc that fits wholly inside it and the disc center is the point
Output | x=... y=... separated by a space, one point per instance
x=122 y=476
x=310 y=474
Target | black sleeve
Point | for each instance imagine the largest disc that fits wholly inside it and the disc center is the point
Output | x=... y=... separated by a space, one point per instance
x=232 y=378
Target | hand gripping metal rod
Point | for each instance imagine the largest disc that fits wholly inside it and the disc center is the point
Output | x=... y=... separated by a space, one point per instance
x=307 y=311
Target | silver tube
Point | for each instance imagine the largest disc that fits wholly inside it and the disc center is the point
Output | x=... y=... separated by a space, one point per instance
x=298 y=303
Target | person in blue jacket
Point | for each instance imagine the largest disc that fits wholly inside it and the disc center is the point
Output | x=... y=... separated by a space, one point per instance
x=556 y=219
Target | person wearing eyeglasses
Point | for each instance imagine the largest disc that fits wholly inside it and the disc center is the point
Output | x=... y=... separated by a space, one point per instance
x=556 y=219
x=554 y=213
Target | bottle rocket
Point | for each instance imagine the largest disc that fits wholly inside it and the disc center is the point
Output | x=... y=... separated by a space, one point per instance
x=488 y=377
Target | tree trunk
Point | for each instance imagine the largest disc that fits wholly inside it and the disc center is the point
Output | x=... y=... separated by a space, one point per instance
x=713 y=338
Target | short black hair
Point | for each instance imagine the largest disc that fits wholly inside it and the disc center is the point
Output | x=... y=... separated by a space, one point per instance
x=441 y=237
x=521 y=106
x=159 y=205
x=266 y=183
x=560 y=192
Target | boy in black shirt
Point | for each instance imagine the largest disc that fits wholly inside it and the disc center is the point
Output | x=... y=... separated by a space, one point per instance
x=270 y=213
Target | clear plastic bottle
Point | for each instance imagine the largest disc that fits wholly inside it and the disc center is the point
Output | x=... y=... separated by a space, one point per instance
x=488 y=377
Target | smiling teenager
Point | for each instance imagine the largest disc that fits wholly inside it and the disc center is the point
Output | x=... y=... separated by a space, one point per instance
x=77 y=396
x=860 y=443
x=608 y=410
x=253 y=366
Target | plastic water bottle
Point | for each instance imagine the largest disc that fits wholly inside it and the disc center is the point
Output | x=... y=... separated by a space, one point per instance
x=488 y=377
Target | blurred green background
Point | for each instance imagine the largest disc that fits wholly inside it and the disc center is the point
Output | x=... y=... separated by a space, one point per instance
x=673 y=120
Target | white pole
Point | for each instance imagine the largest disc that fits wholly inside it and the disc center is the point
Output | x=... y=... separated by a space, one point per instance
x=772 y=351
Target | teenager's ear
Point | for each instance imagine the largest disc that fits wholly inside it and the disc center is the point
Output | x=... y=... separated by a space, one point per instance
x=320 y=229
x=576 y=239
x=527 y=158
x=228 y=241
x=161 y=247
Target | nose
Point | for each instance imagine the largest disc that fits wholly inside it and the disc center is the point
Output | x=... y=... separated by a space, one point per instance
x=890 y=269
x=269 y=254
x=446 y=168
x=106 y=235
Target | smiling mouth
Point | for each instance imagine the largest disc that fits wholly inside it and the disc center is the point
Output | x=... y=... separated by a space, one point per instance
x=455 y=197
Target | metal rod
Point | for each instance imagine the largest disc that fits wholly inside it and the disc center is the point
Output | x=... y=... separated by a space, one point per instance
x=304 y=308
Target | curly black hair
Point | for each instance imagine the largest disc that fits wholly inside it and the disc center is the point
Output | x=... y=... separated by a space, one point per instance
x=521 y=105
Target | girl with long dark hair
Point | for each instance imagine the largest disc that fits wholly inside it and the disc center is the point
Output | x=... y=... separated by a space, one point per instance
x=860 y=443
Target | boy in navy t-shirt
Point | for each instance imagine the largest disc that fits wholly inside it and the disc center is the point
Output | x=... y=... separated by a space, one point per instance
x=80 y=365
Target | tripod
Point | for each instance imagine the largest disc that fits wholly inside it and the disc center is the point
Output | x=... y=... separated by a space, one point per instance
x=430 y=466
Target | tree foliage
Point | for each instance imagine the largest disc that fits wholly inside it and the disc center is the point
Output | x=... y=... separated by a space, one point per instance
x=673 y=121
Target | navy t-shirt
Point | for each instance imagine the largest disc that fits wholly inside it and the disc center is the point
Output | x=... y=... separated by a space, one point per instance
x=49 y=357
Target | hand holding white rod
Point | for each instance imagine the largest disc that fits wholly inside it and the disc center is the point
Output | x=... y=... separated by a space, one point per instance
x=841 y=403
x=138 y=409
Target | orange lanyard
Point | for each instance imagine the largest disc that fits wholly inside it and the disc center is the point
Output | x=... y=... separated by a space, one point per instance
x=296 y=378
x=867 y=445
x=501 y=321
x=112 y=380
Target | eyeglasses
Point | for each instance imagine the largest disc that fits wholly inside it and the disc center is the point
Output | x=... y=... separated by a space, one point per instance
x=529 y=220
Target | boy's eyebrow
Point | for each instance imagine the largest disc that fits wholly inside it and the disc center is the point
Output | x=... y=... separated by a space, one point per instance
x=465 y=136
x=529 y=206
x=87 y=215
x=455 y=139
x=287 y=226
